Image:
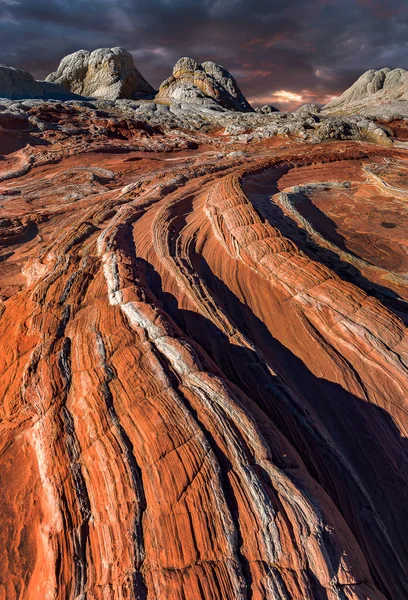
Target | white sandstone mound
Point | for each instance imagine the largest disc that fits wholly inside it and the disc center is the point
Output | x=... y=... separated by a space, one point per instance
x=207 y=84
x=379 y=92
x=17 y=84
x=107 y=73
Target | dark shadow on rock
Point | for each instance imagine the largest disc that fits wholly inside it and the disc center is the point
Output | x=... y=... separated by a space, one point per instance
x=321 y=222
x=12 y=142
x=275 y=216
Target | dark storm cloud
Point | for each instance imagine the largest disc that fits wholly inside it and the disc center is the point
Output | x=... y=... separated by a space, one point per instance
x=280 y=51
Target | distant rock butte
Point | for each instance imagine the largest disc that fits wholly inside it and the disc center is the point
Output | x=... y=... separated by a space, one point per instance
x=380 y=91
x=107 y=73
x=208 y=84
x=17 y=84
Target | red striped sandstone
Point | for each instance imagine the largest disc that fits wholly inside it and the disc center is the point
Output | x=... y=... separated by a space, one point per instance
x=198 y=399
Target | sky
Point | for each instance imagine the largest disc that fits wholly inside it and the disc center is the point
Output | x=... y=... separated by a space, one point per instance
x=281 y=52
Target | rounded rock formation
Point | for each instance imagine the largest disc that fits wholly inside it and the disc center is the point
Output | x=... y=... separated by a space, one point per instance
x=309 y=107
x=107 y=73
x=17 y=84
x=267 y=109
x=207 y=84
x=375 y=92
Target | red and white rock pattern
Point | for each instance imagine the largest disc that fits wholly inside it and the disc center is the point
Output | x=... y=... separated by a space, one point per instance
x=203 y=363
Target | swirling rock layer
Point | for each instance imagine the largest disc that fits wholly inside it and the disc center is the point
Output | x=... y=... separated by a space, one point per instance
x=203 y=362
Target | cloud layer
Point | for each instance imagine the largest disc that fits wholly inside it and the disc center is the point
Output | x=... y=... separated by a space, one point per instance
x=282 y=52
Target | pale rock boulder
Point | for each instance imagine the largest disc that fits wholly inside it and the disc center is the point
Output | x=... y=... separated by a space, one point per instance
x=267 y=109
x=309 y=107
x=107 y=73
x=375 y=92
x=17 y=84
x=207 y=84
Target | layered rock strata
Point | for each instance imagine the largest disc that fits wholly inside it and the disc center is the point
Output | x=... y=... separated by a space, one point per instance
x=203 y=367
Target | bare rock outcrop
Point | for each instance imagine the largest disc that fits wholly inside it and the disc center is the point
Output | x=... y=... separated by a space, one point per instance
x=267 y=109
x=17 y=84
x=104 y=73
x=309 y=107
x=379 y=92
x=208 y=84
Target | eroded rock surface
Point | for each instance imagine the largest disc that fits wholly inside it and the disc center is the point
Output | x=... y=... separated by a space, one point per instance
x=382 y=93
x=267 y=109
x=107 y=73
x=309 y=107
x=207 y=84
x=17 y=84
x=203 y=358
